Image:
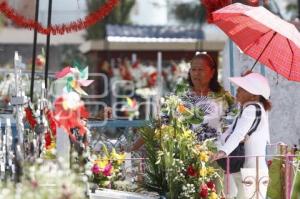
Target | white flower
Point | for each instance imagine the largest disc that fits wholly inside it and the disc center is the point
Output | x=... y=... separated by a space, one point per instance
x=85 y=178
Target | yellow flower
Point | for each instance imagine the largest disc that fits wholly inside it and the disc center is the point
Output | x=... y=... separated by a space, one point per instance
x=158 y=133
x=213 y=195
x=210 y=170
x=102 y=162
x=203 y=156
x=187 y=133
x=118 y=157
x=203 y=172
x=51 y=146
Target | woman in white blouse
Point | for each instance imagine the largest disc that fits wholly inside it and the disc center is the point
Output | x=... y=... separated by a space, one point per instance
x=253 y=89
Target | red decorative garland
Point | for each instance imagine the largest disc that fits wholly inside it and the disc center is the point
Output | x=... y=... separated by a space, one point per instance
x=61 y=29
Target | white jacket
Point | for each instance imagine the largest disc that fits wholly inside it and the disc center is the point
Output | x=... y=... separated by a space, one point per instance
x=256 y=144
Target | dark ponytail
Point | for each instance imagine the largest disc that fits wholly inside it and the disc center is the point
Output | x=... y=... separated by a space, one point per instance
x=266 y=103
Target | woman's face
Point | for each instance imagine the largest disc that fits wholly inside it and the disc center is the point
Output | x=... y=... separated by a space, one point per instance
x=242 y=96
x=201 y=72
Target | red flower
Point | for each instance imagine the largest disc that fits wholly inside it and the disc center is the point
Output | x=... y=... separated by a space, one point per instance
x=151 y=80
x=191 y=171
x=211 y=185
x=47 y=139
x=51 y=121
x=30 y=118
x=203 y=191
x=269 y=163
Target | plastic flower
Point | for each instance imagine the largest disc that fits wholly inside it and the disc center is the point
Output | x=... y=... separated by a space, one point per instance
x=213 y=195
x=203 y=172
x=203 y=156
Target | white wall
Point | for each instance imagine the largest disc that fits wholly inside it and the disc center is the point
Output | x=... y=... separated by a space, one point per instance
x=63 y=10
x=150 y=12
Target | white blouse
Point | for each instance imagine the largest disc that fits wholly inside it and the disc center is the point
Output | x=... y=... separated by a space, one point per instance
x=256 y=144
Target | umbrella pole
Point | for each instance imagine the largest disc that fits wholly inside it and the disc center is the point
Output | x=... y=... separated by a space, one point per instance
x=48 y=44
x=263 y=50
x=34 y=50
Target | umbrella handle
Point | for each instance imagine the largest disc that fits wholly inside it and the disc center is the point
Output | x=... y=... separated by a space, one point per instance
x=262 y=52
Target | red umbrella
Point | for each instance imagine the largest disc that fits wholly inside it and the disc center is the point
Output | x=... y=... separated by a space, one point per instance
x=263 y=36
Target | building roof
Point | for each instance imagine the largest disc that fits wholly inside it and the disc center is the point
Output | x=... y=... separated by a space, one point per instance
x=102 y=45
x=157 y=38
x=136 y=33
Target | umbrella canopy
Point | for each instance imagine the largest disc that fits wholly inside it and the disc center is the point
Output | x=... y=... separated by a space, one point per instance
x=263 y=36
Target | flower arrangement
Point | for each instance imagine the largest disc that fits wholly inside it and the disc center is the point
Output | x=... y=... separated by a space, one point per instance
x=176 y=156
x=105 y=168
x=42 y=124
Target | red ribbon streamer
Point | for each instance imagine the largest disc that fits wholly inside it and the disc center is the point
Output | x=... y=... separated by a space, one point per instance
x=60 y=29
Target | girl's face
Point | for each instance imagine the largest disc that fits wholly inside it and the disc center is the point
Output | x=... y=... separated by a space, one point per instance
x=201 y=72
x=243 y=96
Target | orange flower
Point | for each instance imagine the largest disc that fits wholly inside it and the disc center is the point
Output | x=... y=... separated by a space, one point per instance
x=181 y=108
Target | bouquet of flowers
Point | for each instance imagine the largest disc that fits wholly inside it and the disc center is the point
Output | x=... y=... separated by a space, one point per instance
x=105 y=168
x=178 y=165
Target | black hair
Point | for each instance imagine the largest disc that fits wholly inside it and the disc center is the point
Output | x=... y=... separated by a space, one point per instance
x=214 y=84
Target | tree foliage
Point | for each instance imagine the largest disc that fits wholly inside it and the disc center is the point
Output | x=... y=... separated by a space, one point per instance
x=193 y=13
x=292 y=8
x=119 y=15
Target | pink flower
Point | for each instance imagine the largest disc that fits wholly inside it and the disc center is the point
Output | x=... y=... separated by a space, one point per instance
x=107 y=170
x=95 y=169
